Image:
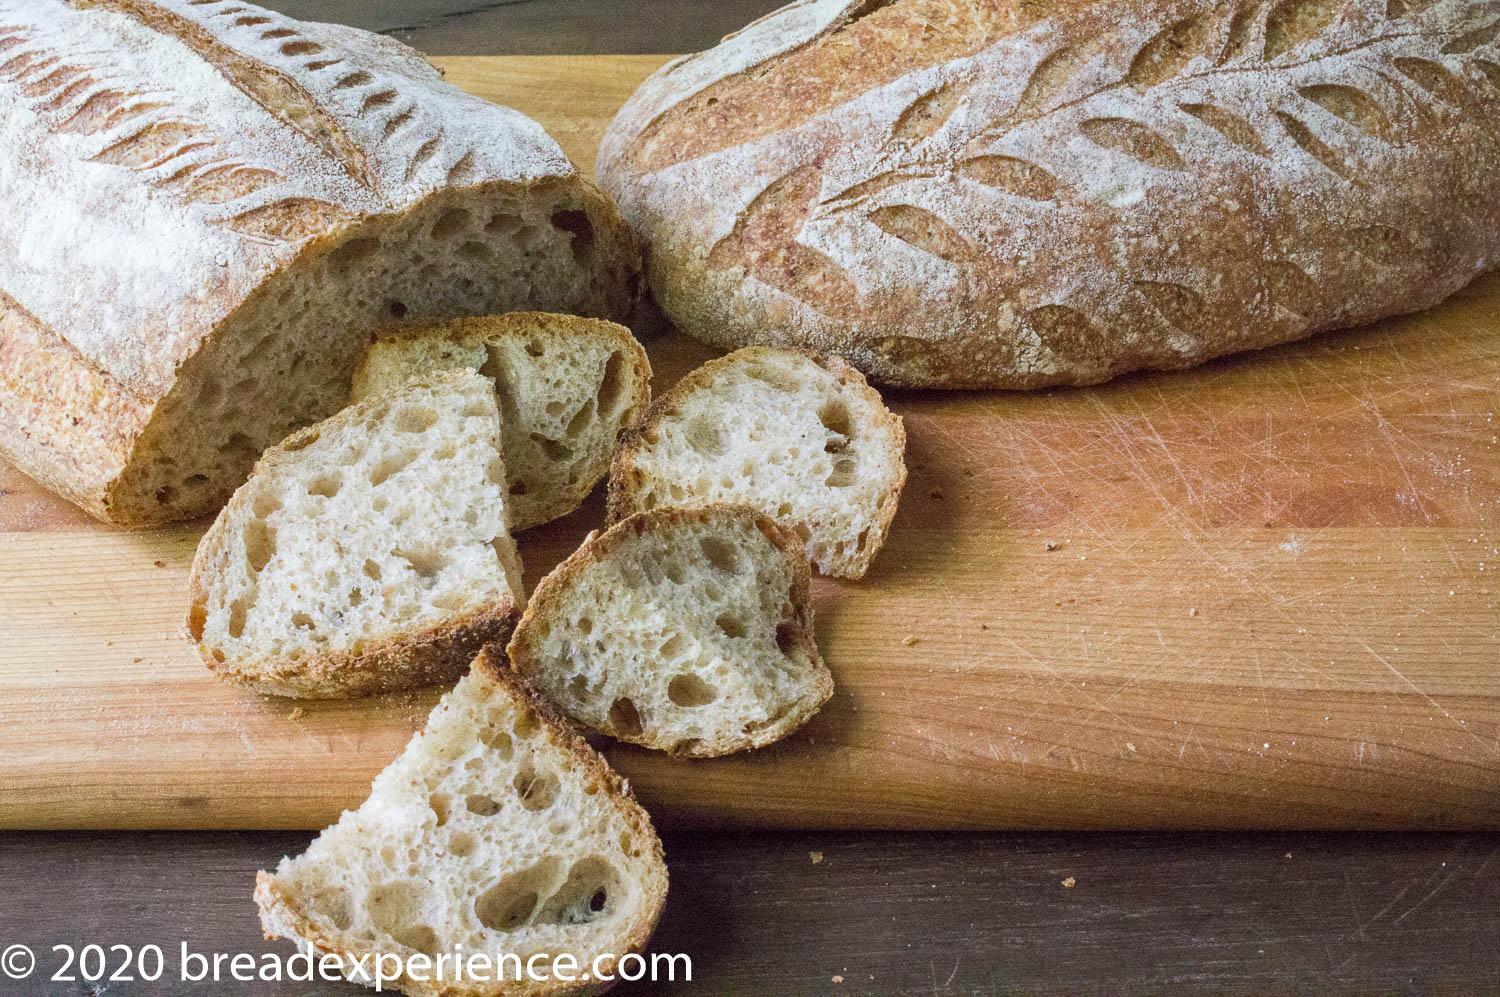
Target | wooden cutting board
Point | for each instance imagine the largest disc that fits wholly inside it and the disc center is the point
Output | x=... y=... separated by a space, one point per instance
x=1262 y=593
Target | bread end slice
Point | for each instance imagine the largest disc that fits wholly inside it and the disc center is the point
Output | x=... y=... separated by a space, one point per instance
x=687 y=630
x=799 y=436
x=365 y=554
x=498 y=830
x=566 y=387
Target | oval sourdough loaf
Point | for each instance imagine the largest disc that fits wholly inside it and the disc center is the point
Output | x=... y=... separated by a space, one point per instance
x=964 y=193
x=210 y=205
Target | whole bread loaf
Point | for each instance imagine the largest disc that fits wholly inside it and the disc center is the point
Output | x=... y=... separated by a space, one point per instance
x=977 y=193
x=208 y=207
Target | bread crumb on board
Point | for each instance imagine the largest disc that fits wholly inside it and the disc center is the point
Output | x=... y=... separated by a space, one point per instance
x=910 y=640
x=297 y=713
x=815 y=856
x=1070 y=882
x=838 y=979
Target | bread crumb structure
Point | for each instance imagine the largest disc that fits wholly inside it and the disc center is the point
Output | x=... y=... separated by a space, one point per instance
x=688 y=630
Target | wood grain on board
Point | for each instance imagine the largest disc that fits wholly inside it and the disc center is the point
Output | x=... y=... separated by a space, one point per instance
x=1264 y=593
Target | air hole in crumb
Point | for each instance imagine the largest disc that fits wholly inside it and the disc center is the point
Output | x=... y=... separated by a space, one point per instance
x=397 y=309
x=578 y=687
x=301 y=619
x=495 y=472
x=786 y=637
x=689 y=690
x=426 y=563
x=576 y=224
x=843 y=473
x=335 y=904
x=461 y=845
x=554 y=409
x=390 y=464
x=353 y=251
x=585 y=624
x=419 y=937
x=197 y=620
x=526 y=725
x=702 y=433
x=611 y=385
x=450 y=223
x=260 y=544
x=484 y=806
x=414 y=419
x=624 y=718
x=512 y=901
x=673 y=647
x=556 y=452
x=731 y=625
x=326 y=485
x=537 y=790
x=372 y=570
x=534 y=348
x=584 y=895
x=237 y=613
x=719 y=554
x=440 y=804
x=519 y=488
x=498 y=741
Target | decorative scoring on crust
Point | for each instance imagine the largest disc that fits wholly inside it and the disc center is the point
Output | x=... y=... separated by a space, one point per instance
x=1010 y=165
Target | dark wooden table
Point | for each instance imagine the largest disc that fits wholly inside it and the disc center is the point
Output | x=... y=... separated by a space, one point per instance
x=825 y=913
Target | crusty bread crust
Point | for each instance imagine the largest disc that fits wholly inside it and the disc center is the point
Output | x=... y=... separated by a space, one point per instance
x=281 y=917
x=967 y=193
x=622 y=499
x=520 y=653
x=174 y=172
x=478 y=330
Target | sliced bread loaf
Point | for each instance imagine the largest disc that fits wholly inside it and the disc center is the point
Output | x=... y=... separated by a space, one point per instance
x=498 y=831
x=798 y=436
x=688 y=630
x=567 y=386
x=366 y=553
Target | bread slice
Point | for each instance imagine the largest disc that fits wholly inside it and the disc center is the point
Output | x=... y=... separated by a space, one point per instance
x=366 y=553
x=688 y=630
x=498 y=830
x=567 y=386
x=799 y=436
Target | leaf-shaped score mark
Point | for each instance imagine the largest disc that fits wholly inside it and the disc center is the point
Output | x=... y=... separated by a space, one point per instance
x=1014 y=176
x=1292 y=22
x=1435 y=78
x=227 y=182
x=1132 y=139
x=929 y=112
x=764 y=242
x=289 y=220
x=1170 y=51
x=1241 y=28
x=1290 y=287
x=1233 y=127
x=1406 y=8
x=1383 y=244
x=1180 y=305
x=1075 y=340
x=1352 y=105
x=925 y=231
x=152 y=145
x=1052 y=75
x=1316 y=148
x=1474 y=39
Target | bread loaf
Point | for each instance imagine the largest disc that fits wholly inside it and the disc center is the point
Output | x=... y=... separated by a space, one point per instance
x=366 y=553
x=498 y=832
x=687 y=630
x=208 y=207
x=976 y=193
x=798 y=436
x=566 y=385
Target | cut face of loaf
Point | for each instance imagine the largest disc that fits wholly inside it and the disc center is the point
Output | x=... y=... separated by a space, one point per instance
x=968 y=193
x=566 y=385
x=800 y=437
x=498 y=830
x=366 y=553
x=688 y=630
x=209 y=208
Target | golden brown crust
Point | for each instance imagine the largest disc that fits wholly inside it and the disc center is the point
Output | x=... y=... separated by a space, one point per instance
x=622 y=498
x=555 y=585
x=1019 y=196
x=280 y=911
